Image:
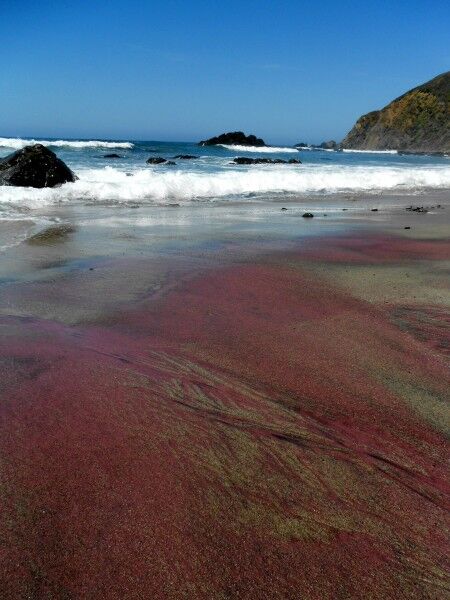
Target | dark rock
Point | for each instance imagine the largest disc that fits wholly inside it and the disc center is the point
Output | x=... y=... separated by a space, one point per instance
x=34 y=166
x=407 y=228
x=245 y=160
x=113 y=155
x=284 y=208
x=330 y=145
x=156 y=160
x=374 y=209
x=170 y=162
x=418 y=209
x=301 y=145
x=185 y=156
x=307 y=215
x=233 y=138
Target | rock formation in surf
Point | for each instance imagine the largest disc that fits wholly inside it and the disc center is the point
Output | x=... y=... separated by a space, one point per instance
x=330 y=145
x=34 y=166
x=244 y=160
x=158 y=160
x=234 y=138
x=419 y=120
x=185 y=156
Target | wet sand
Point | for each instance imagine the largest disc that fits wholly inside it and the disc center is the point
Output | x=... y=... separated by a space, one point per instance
x=256 y=411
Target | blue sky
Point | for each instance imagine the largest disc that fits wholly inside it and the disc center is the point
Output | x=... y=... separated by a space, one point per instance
x=287 y=70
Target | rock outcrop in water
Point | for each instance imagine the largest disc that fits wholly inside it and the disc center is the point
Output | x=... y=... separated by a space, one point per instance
x=417 y=121
x=158 y=160
x=185 y=156
x=244 y=160
x=34 y=166
x=330 y=145
x=234 y=138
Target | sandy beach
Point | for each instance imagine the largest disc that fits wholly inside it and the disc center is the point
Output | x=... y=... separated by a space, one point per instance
x=226 y=403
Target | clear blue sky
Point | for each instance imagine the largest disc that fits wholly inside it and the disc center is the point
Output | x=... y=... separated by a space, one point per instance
x=287 y=70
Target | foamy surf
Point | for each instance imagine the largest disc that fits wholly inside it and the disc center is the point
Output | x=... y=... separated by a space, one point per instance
x=370 y=151
x=267 y=149
x=19 y=143
x=348 y=150
x=153 y=186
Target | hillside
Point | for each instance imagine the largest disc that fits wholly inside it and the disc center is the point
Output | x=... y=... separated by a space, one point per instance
x=416 y=121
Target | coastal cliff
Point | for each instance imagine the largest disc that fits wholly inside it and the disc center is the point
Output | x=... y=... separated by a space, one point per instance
x=416 y=121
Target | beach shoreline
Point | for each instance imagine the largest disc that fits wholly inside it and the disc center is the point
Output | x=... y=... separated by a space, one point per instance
x=228 y=408
x=146 y=229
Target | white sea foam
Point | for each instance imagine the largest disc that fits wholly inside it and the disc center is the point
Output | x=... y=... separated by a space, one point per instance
x=19 y=143
x=349 y=150
x=111 y=185
x=268 y=149
x=370 y=151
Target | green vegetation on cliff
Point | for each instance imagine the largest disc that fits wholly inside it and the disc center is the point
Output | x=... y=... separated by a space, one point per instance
x=417 y=121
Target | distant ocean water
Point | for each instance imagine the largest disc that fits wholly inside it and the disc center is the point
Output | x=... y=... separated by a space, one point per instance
x=211 y=177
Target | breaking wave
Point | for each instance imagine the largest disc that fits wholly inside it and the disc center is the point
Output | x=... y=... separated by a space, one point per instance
x=19 y=143
x=153 y=186
x=257 y=149
x=349 y=150
x=371 y=151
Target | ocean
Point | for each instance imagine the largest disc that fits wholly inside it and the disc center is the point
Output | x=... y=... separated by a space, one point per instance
x=211 y=178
